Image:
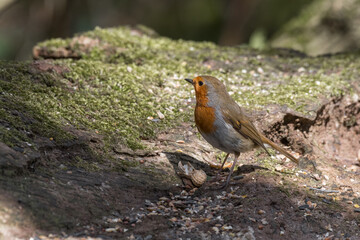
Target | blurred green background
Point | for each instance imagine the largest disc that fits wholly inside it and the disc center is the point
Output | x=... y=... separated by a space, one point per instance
x=311 y=26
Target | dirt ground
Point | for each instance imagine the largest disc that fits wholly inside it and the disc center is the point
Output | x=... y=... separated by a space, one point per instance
x=320 y=199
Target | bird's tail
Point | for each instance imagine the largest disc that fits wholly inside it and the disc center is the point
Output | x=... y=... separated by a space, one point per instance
x=278 y=148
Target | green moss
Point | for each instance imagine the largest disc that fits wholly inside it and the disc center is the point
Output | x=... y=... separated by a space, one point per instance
x=55 y=43
x=116 y=103
x=119 y=165
x=130 y=76
x=21 y=118
x=88 y=166
x=296 y=90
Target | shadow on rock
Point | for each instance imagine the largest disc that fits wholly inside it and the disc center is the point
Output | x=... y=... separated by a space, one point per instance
x=175 y=157
x=248 y=169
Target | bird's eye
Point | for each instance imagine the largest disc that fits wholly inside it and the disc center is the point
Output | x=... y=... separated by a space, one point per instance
x=200 y=83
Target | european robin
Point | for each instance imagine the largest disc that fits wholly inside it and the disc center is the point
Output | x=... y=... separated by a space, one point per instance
x=223 y=124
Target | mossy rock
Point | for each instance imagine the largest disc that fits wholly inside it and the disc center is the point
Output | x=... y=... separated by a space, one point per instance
x=89 y=105
x=324 y=26
x=126 y=84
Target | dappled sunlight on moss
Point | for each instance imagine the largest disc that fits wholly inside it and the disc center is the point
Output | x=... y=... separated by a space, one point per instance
x=21 y=116
x=129 y=85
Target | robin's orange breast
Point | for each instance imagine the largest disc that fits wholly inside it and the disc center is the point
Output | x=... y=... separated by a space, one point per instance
x=205 y=118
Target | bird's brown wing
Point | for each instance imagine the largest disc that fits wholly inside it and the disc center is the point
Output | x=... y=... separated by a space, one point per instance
x=242 y=124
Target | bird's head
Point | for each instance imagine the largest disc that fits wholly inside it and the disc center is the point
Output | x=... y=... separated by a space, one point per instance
x=200 y=85
x=207 y=86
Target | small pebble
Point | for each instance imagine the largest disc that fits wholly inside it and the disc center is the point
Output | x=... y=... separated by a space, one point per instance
x=316 y=177
x=160 y=115
x=260 y=227
x=151 y=209
x=111 y=230
x=264 y=221
x=226 y=227
x=303 y=207
x=252 y=219
x=215 y=229
x=279 y=168
x=261 y=212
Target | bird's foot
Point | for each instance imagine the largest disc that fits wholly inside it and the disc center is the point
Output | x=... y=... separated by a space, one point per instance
x=224 y=185
x=216 y=178
x=218 y=185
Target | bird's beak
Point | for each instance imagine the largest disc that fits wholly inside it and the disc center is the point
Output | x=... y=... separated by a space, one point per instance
x=189 y=80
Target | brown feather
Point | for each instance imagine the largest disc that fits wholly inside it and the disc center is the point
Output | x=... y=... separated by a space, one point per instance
x=244 y=126
x=280 y=149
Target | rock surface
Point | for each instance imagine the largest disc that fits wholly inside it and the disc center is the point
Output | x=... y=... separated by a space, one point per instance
x=101 y=121
x=11 y=159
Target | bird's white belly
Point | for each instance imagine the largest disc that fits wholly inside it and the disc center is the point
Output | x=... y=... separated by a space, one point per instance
x=227 y=139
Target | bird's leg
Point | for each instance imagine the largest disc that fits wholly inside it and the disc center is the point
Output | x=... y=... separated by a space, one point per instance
x=222 y=165
x=231 y=170
x=216 y=178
